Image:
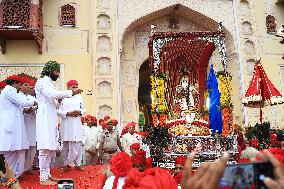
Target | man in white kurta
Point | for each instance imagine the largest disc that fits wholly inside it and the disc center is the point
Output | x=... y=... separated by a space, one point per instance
x=13 y=136
x=130 y=138
x=71 y=131
x=47 y=119
x=91 y=133
x=30 y=124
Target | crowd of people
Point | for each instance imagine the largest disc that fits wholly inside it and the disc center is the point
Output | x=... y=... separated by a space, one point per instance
x=30 y=136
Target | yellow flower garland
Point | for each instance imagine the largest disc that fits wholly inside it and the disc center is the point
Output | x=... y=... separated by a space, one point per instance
x=224 y=99
x=158 y=94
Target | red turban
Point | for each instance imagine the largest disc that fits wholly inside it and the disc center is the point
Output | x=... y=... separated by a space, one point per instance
x=180 y=160
x=106 y=118
x=273 y=140
x=25 y=80
x=72 y=82
x=131 y=124
x=103 y=124
x=114 y=122
x=135 y=146
x=100 y=121
x=32 y=82
x=254 y=143
x=2 y=84
x=139 y=158
x=82 y=120
x=120 y=165
x=244 y=160
x=14 y=77
x=154 y=178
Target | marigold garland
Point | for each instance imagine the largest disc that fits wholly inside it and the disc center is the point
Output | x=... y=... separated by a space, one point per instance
x=225 y=100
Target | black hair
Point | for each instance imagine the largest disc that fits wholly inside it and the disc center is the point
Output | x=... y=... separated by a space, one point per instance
x=11 y=82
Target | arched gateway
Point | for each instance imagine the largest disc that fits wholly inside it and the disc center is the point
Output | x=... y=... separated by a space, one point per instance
x=135 y=51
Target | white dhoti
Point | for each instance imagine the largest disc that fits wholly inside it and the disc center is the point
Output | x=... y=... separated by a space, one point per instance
x=44 y=158
x=29 y=157
x=72 y=152
x=16 y=160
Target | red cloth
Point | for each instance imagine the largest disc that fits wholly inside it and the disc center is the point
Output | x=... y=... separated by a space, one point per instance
x=71 y=83
x=131 y=124
x=149 y=161
x=244 y=160
x=14 y=77
x=92 y=178
x=278 y=154
x=139 y=158
x=178 y=177
x=154 y=178
x=180 y=160
x=2 y=84
x=135 y=146
x=120 y=165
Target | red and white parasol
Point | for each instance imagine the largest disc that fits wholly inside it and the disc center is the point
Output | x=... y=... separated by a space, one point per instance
x=261 y=91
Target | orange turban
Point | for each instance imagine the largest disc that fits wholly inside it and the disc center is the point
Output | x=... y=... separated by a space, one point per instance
x=180 y=160
x=72 y=82
x=139 y=158
x=135 y=146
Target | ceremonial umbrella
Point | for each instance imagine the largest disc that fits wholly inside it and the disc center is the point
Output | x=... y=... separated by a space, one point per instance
x=261 y=91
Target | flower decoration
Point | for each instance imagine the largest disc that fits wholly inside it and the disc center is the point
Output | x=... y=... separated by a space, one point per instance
x=49 y=67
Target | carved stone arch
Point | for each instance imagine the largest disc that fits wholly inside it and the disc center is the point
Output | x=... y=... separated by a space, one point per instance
x=135 y=49
x=105 y=110
x=103 y=21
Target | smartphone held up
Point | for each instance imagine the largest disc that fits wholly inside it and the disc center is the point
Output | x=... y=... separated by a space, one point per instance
x=65 y=184
x=246 y=175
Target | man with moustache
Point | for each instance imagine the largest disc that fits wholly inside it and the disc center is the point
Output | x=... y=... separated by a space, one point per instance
x=46 y=118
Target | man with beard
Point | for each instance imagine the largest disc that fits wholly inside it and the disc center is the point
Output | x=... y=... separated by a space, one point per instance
x=12 y=128
x=46 y=118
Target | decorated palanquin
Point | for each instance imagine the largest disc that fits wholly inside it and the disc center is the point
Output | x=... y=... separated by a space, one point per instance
x=179 y=63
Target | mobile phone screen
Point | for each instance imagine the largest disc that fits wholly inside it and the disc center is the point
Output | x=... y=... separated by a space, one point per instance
x=246 y=176
x=65 y=184
x=2 y=163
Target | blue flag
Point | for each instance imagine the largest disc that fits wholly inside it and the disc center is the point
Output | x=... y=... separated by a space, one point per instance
x=215 y=115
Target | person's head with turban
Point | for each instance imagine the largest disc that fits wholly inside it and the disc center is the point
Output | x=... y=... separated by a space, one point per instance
x=120 y=165
x=101 y=121
x=254 y=143
x=274 y=141
x=25 y=87
x=131 y=127
x=14 y=81
x=51 y=69
x=156 y=178
x=139 y=160
x=108 y=123
x=90 y=120
x=72 y=84
x=114 y=122
x=179 y=164
x=134 y=148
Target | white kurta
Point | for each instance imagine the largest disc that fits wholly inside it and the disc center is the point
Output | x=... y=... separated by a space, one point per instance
x=12 y=128
x=71 y=127
x=110 y=180
x=129 y=139
x=46 y=117
x=90 y=137
x=30 y=124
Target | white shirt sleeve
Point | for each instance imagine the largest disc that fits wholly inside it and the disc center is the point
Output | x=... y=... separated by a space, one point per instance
x=61 y=112
x=18 y=99
x=110 y=180
x=54 y=94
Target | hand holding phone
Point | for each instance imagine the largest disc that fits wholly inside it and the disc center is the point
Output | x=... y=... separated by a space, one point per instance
x=65 y=184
